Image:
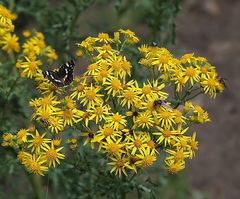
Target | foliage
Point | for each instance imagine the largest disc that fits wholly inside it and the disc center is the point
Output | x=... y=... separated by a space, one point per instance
x=127 y=118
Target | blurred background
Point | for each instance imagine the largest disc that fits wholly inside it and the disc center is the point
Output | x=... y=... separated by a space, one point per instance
x=210 y=28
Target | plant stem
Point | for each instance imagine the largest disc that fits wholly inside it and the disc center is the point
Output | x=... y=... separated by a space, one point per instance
x=37 y=186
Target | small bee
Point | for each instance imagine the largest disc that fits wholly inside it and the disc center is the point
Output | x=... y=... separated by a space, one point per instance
x=91 y=135
x=135 y=113
x=163 y=103
x=222 y=80
x=45 y=122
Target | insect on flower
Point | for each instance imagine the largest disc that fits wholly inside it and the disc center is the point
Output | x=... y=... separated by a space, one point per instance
x=163 y=103
x=61 y=77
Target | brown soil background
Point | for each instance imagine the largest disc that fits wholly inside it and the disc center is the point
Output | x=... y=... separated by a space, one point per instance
x=212 y=29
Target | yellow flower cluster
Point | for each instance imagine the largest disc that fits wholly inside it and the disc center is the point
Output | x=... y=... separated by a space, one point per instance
x=132 y=122
x=35 y=151
x=188 y=70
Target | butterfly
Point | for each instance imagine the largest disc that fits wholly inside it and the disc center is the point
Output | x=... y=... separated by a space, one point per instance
x=62 y=76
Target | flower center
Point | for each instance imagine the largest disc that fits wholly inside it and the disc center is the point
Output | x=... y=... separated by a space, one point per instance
x=32 y=66
x=144 y=119
x=116 y=65
x=167 y=133
x=103 y=36
x=151 y=144
x=148 y=160
x=129 y=95
x=104 y=73
x=138 y=143
x=108 y=131
x=92 y=67
x=165 y=114
x=113 y=148
x=146 y=89
x=38 y=140
x=211 y=83
x=126 y=65
x=120 y=163
x=117 y=118
x=90 y=95
x=68 y=114
x=51 y=155
x=99 y=111
x=116 y=84
x=46 y=101
x=179 y=155
x=163 y=59
x=190 y=71
x=80 y=88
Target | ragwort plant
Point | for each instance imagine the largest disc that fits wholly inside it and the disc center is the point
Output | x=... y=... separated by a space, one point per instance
x=130 y=123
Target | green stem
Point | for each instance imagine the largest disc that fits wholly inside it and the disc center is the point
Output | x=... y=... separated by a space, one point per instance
x=122 y=47
x=37 y=186
x=194 y=96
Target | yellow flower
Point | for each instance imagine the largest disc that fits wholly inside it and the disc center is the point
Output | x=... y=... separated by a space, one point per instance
x=120 y=165
x=129 y=36
x=166 y=135
x=69 y=103
x=52 y=155
x=129 y=96
x=47 y=87
x=194 y=145
x=163 y=59
x=51 y=54
x=174 y=167
x=55 y=124
x=187 y=58
x=30 y=67
x=48 y=101
x=38 y=142
x=26 y=33
x=10 y=43
x=192 y=74
x=104 y=37
x=30 y=48
x=210 y=84
x=147 y=158
x=115 y=120
x=35 y=164
x=91 y=97
x=180 y=80
x=44 y=114
x=166 y=117
x=105 y=132
x=114 y=86
x=71 y=116
x=7 y=139
x=143 y=120
x=177 y=155
x=22 y=134
x=5 y=13
x=99 y=112
x=113 y=147
x=137 y=142
x=79 y=90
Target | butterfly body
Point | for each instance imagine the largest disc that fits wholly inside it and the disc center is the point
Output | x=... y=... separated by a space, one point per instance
x=61 y=77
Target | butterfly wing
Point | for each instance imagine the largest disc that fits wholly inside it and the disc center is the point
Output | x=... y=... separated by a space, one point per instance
x=63 y=76
x=67 y=69
x=53 y=77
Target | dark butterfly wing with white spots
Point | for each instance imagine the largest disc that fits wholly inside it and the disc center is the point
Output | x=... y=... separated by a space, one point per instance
x=61 y=77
